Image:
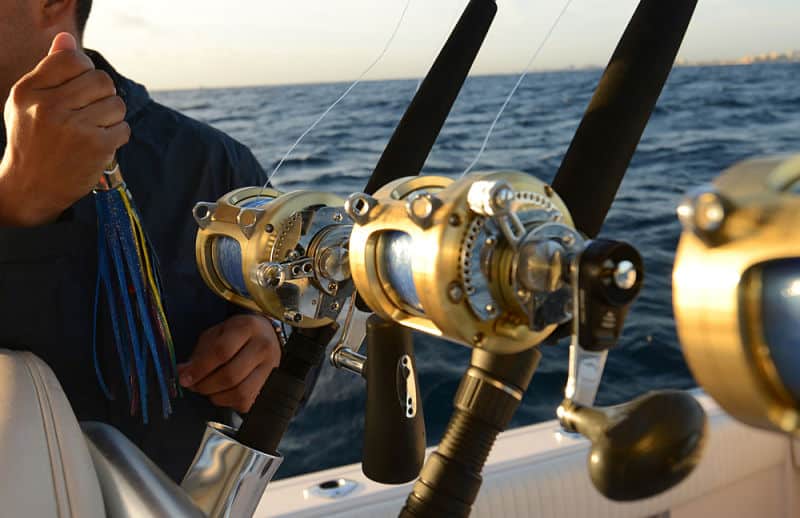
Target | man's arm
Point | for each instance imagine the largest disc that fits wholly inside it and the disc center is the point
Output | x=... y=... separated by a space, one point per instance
x=64 y=123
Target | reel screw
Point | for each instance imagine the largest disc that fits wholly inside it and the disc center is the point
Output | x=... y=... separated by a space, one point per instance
x=625 y=275
x=455 y=292
x=491 y=310
x=335 y=306
x=337 y=217
x=421 y=207
x=478 y=339
x=454 y=220
x=490 y=241
x=269 y=229
x=503 y=197
x=293 y=316
x=332 y=286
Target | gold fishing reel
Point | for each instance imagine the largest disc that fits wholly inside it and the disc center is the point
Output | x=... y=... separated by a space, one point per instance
x=483 y=261
x=284 y=255
x=736 y=291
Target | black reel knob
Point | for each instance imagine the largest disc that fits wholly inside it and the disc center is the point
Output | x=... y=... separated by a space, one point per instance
x=394 y=424
x=610 y=277
x=643 y=447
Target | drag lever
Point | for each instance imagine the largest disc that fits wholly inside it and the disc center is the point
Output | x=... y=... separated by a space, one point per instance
x=647 y=445
x=608 y=278
x=394 y=425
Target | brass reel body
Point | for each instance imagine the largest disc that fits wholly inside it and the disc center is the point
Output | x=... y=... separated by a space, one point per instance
x=734 y=317
x=427 y=254
x=284 y=255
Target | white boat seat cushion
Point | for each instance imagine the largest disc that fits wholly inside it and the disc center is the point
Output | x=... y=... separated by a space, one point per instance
x=45 y=463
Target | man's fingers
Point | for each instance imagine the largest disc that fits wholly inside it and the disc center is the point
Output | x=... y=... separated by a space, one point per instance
x=244 y=395
x=89 y=87
x=256 y=352
x=116 y=136
x=105 y=113
x=57 y=69
x=214 y=350
x=63 y=41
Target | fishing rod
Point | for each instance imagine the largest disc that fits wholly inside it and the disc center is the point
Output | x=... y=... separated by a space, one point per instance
x=287 y=256
x=509 y=260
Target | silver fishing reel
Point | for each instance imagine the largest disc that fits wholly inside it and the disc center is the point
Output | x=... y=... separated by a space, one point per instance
x=483 y=261
x=285 y=255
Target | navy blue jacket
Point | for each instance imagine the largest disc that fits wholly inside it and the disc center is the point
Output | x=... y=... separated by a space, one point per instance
x=48 y=273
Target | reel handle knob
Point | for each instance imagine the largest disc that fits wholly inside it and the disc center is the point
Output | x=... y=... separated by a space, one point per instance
x=394 y=425
x=643 y=447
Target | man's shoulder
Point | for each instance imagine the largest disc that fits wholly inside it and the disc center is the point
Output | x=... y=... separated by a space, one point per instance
x=173 y=133
x=159 y=118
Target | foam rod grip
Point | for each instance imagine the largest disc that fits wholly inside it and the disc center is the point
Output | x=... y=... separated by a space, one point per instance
x=282 y=394
x=609 y=132
x=394 y=426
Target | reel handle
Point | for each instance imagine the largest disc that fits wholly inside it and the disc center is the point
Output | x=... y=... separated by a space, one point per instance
x=648 y=445
x=394 y=425
x=643 y=447
x=609 y=277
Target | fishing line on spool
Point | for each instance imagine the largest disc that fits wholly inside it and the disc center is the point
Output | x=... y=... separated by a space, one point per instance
x=342 y=97
x=516 y=87
x=228 y=253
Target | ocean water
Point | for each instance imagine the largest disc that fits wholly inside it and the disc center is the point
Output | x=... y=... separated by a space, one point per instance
x=707 y=119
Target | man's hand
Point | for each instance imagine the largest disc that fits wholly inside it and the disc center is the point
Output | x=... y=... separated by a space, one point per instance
x=232 y=361
x=64 y=121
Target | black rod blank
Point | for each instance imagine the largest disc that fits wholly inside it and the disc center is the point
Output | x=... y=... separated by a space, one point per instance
x=613 y=124
x=417 y=131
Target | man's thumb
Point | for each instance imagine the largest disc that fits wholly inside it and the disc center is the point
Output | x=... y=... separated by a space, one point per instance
x=63 y=41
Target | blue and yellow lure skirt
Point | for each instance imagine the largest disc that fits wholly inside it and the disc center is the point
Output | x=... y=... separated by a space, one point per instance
x=128 y=281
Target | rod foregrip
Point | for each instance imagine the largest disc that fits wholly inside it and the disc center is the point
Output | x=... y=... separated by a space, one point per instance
x=417 y=131
x=487 y=399
x=609 y=132
x=283 y=392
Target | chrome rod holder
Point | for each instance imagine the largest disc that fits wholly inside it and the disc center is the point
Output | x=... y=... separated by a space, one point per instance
x=226 y=478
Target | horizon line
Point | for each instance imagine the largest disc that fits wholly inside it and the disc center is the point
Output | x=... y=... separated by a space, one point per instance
x=571 y=68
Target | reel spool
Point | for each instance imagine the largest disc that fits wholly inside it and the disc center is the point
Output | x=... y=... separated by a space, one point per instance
x=483 y=261
x=285 y=255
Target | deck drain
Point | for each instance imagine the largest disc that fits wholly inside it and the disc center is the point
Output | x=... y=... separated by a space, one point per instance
x=332 y=489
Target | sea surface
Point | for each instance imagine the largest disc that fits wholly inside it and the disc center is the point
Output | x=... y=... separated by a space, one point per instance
x=707 y=119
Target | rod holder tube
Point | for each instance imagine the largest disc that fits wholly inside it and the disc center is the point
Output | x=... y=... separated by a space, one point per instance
x=227 y=479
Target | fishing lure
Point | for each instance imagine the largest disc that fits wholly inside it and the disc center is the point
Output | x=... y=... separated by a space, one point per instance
x=128 y=279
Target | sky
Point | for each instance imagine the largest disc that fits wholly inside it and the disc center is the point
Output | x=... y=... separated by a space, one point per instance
x=173 y=44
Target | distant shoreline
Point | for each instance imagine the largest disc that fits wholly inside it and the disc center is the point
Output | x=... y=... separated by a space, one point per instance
x=678 y=64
